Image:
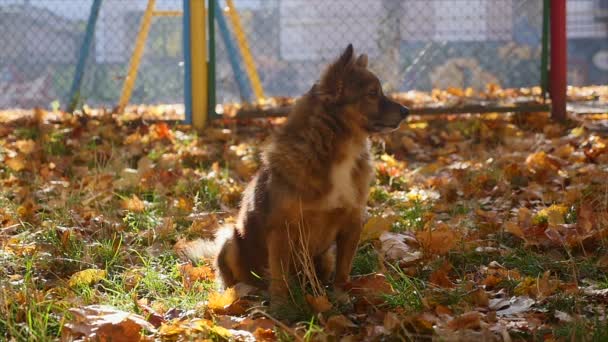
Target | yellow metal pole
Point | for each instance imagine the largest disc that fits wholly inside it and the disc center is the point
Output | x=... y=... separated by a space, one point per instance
x=245 y=51
x=198 y=48
x=138 y=51
x=167 y=13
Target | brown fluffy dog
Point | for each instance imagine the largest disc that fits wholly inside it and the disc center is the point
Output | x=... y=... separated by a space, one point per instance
x=313 y=182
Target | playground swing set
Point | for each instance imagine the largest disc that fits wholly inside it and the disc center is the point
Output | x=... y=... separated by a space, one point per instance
x=199 y=60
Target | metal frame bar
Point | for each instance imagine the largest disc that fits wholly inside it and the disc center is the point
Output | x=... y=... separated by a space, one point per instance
x=233 y=55
x=469 y=109
x=559 y=60
x=544 y=59
x=85 y=48
x=187 y=63
x=138 y=51
x=243 y=45
x=211 y=8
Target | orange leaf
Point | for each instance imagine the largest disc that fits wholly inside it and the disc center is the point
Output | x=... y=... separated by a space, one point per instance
x=469 y=320
x=133 y=204
x=438 y=241
x=318 y=304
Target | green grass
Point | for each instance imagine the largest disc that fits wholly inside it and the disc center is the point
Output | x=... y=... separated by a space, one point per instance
x=411 y=217
x=26 y=312
x=406 y=294
x=366 y=261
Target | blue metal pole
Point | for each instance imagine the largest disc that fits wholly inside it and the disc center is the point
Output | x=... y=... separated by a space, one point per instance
x=83 y=55
x=187 y=62
x=233 y=55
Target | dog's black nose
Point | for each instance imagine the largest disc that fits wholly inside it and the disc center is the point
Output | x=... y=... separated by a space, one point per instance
x=404 y=111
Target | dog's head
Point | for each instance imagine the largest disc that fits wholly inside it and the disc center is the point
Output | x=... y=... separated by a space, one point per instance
x=350 y=86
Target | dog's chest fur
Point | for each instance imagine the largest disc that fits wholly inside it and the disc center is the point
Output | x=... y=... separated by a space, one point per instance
x=345 y=191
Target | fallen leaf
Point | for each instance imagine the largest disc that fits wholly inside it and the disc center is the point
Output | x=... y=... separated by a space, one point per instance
x=469 y=320
x=514 y=306
x=318 y=304
x=439 y=240
x=375 y=226
x=339 y=324
x=133 y=204
x=16 y=164
x=87 y=277
x=105 y=323
x=394 y=248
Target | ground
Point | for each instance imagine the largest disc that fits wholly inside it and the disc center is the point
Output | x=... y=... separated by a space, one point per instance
x=491 y=227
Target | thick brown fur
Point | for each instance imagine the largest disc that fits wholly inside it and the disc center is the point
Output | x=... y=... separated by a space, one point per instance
x=313 y=182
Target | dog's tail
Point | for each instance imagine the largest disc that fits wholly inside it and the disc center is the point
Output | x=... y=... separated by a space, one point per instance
x=200 y=249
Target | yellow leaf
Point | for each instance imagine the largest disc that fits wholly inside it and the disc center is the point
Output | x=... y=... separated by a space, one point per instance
x=220 y=300
x=375 y=226
x=16 y=164
x=25 y=146
x=86 y=277
x=133 y=204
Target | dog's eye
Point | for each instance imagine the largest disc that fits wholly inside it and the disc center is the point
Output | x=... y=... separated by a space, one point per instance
x=373 y=92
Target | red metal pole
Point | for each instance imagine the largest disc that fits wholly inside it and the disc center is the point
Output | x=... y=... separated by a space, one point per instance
x=559 y=55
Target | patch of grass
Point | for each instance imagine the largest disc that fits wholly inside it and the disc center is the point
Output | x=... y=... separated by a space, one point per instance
x=530 y=263
x=411 y=217
x=297 y=309
x=365 y=261
x=108 y=251
x=55 y=144
x=468 y=261
x=27 y=133
x=585 y=331
x=313 y=329
x=407 y=293
x=379 y=195
x=207 y=195
x=26 y=314
x=161 y=281
x=562 y=302
x=141 y=221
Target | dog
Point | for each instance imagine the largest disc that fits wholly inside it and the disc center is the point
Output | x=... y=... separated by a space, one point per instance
x=313 y=183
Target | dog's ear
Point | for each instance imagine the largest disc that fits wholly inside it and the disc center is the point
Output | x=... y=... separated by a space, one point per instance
x=362 y=61
x=332 y=86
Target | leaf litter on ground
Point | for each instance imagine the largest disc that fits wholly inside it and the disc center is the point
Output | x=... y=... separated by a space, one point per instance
x=480 y=226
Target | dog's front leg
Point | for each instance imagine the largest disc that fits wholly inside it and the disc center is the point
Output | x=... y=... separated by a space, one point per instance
x=346 y=243
x=278 y=262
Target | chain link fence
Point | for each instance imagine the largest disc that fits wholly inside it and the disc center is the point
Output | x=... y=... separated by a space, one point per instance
x=412 y=44
x=41 y=41
x=416 y=44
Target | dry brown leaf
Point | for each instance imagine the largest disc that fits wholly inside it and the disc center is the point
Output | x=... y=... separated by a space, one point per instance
x=394 y=248
x=439 y=240
x=440 y=276
x=133 y=204
x=469 y=320
x=105 y=323
x=318 y=304
x=339 y=324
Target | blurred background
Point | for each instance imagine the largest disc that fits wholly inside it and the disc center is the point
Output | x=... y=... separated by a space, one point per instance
x=415 y=44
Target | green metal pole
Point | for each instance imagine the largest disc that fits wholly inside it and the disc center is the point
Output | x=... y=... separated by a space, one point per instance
x=211 y=65
x=85 y=48
x=544 y=61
